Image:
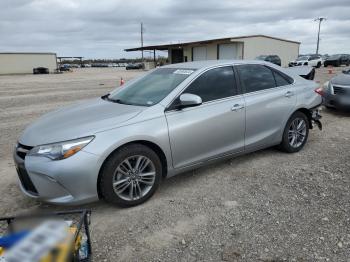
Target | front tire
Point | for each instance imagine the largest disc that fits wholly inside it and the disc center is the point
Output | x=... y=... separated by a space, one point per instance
x=295 y=133
x=130 y=176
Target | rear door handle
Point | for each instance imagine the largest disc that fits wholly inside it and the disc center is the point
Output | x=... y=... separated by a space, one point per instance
x=237 y=107
x=289 y=94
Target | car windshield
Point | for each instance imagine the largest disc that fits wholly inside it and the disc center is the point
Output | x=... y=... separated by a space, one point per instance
x=302 y=58
x=152 y=88
x=334 y=56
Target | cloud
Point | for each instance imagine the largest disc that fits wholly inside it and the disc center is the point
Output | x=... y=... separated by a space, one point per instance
x=104 y=28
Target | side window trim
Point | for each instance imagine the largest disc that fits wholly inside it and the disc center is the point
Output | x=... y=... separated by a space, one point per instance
x=240 y=85
x=283 y=75
x=239 y=91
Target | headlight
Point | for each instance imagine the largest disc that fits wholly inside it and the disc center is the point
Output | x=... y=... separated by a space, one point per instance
x=61 y=150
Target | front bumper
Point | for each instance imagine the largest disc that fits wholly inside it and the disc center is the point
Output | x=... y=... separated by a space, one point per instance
x=70 y=181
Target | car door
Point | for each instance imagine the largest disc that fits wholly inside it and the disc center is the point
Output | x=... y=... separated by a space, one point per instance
x=212 y=129
x=269 y=99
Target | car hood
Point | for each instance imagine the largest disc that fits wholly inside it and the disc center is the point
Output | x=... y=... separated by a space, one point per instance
x=342 y=79
x=83 y=119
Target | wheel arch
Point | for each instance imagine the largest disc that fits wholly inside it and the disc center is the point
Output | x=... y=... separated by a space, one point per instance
x=156 y=148
x=306 y=112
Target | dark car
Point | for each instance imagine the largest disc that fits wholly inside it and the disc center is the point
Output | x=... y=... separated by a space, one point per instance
x=336 y=92
x=40 y=70
x=134 y=66
x=65 y=67
x=275 y=59
x=337 y=60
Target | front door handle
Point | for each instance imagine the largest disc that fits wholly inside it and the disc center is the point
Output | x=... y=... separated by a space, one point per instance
x=237 y=107
x=289 y=94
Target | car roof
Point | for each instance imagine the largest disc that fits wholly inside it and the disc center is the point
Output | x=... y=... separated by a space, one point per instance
x=210 y=63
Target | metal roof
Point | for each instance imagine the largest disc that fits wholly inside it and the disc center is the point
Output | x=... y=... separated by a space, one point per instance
x=27 y=53
x=166 y=46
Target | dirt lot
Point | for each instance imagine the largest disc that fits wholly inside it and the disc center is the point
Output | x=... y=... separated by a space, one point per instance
x=267 y=206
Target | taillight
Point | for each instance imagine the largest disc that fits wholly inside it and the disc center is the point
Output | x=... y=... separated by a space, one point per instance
x=319 y=91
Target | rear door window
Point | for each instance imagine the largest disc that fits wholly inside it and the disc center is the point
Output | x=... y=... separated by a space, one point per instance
x=256 y=77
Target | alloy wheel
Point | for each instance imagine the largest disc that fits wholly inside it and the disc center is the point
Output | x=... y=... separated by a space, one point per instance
x=134 y=177
x=297 y=132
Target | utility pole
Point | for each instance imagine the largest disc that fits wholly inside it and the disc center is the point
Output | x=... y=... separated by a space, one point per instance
x=142 y=40
x=320 y=19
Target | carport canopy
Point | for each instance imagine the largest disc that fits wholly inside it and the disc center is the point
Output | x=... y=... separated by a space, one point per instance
x=238 y=47
x=70 y=57
x=178 y=46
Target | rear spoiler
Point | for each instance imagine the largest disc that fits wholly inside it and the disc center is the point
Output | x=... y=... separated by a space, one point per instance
x=306 y=72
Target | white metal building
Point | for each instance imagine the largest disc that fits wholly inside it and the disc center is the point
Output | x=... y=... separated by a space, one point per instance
x=23 y=63
x=242 y=47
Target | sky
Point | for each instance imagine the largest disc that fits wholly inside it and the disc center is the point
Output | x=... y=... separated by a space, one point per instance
x=104 y=28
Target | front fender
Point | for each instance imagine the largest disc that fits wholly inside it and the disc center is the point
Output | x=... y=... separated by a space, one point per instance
x=154 y=130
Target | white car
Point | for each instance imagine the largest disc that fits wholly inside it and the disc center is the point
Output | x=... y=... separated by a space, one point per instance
x=308 y=60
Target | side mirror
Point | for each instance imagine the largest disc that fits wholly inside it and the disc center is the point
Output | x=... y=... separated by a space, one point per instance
x=189 y=100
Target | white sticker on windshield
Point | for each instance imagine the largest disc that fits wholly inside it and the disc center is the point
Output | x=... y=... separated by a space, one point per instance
x=183 y=72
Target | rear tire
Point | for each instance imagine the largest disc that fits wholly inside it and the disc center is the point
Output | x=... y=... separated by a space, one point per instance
x=295 y=133
x=318 y=65
x=128 y=181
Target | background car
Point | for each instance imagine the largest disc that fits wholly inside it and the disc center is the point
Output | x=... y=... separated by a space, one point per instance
x=134 y=66
x=40 y=70
x=307 y=72
x=337 y=60
x=307 y=60
x=65 y=68
x=336 y=92
x=275 y=59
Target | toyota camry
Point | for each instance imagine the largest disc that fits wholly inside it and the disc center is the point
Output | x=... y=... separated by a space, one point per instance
x=120 y=146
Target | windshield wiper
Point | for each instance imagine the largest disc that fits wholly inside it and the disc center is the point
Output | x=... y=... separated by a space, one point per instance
x=107 y=98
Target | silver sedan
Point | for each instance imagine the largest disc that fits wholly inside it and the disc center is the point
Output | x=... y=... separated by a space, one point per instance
x=175 y=118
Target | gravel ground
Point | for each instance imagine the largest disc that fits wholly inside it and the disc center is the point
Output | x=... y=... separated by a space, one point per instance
x=264 y=206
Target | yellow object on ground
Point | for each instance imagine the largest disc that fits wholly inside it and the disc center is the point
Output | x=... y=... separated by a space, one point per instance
x=65 y=250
